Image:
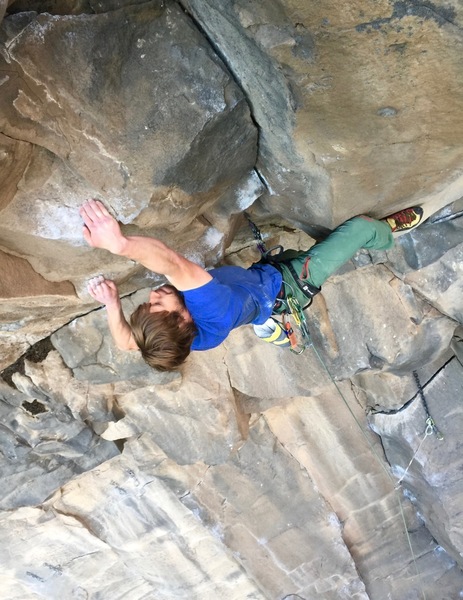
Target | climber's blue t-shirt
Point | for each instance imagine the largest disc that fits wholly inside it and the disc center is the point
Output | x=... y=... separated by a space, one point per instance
x=234 y=297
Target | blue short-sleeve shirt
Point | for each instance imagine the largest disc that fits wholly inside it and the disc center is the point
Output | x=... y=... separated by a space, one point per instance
x=234 y=297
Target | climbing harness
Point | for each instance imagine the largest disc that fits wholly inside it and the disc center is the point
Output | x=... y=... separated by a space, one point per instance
x=291 y=303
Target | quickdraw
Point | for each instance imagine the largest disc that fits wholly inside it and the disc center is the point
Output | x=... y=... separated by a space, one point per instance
x=429 y=420
x=257 y=235
x=297 y=312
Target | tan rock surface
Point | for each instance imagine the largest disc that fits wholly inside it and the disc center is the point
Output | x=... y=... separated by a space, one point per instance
x=160 y=145
x=360 y=488
x=358 y=105
x=19 y=280
x=307 y=475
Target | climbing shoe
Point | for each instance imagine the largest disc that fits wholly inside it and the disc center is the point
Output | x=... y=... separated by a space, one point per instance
x=404 y=220
x=273 y=332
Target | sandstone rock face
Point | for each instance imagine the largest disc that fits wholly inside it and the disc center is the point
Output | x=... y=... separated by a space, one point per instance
x=131 y=106
x=144 y=540
x=252 y=473
x=357 y=105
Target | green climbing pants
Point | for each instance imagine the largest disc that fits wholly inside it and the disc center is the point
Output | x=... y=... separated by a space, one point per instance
x=324 y=258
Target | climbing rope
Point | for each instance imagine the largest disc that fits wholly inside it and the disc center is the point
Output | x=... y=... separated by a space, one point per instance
x=428 y=431
x=298 y=313
x=431 y=427
x=381 y=463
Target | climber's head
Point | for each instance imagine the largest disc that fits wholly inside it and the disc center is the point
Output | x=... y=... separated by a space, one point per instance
x=163 y=329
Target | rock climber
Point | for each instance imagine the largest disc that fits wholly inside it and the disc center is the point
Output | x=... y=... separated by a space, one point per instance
x=197 y=309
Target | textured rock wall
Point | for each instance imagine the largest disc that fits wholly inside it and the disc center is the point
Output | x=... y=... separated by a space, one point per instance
x=349 y=105
x=357 y=104
x=254 y=473
x=131 y=106
x=289 y=491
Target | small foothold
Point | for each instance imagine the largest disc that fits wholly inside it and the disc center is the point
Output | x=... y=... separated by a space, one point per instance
x=387 y=111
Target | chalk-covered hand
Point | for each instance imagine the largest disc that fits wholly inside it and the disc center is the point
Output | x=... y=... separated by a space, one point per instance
x=104 y=291
x=101 y=230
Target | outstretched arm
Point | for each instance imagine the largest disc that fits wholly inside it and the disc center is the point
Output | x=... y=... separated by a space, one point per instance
x=101 y=230
x=105 y=291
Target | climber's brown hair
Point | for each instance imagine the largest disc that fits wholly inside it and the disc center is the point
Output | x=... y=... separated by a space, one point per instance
x=164 y=338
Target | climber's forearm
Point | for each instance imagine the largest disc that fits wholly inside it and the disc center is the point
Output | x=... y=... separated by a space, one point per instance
x=119 y=328
x=101 y=230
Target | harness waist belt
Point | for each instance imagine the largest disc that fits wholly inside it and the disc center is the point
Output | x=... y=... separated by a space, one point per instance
x=309 y=290
x=306 y=288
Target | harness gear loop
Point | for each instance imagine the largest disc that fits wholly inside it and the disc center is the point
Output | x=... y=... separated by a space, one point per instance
x=297 y=312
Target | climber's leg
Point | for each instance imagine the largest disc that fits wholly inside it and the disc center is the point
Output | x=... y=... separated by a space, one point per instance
x=326 y=257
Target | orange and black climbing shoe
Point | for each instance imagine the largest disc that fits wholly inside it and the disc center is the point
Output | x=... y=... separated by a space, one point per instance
x=404 y=220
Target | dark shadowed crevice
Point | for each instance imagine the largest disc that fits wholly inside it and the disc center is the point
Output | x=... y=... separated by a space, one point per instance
x=35 y=407
x=36 y=354
x=413 y=398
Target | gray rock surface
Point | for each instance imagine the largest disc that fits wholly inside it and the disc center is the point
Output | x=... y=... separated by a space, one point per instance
x=253 y=473
x=433 y=479
x=329 y=437
x=43 y=443
x=430 y=260
x=119 y=143
x=128 y=537
x=277 y=461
